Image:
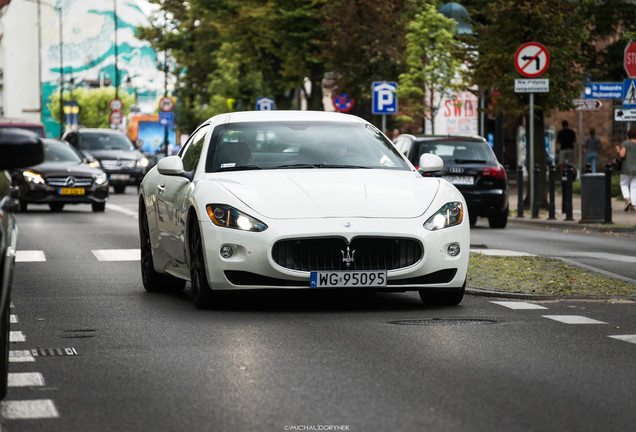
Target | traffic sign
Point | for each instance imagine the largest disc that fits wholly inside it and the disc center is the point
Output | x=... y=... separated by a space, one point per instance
x=629 y=93
x=384 y=97
x=599 y=90
x=115 y=117
x=630 y=59
x=166 y=104
x=587 y=104
x=532 y=85
x=342 y=102
x=621 y=114
x=532 y=59
x=166 y=118
x=115 y=104
x=264 y=104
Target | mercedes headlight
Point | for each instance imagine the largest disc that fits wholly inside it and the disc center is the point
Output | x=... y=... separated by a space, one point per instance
x=449 y=215
x=101 y=179
x=143 y=162
x=226 y=216
x=94 y=164
x=32 y=177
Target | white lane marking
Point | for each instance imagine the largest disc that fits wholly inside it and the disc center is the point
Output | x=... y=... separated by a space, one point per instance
x=501 y=252
x=519 y=305
x=118 y=254
x=26 y=379
x=626 y=338
x=29 y=256
x=604 y=256
x=21 y=356
x=573 y=319
x=13 y=318
x=121 y=209
x=28 y=409
x=16 y=336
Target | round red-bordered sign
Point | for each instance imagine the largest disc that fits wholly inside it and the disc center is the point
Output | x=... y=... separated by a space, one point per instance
x=342 y=102
x=115 y=104
x=115 y=118
x=532 y=59
x=166 y=104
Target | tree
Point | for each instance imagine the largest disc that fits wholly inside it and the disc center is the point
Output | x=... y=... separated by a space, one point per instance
x=94 y=110
x=434 y=71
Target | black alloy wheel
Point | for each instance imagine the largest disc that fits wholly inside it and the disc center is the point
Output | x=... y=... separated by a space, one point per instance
x=202 y=294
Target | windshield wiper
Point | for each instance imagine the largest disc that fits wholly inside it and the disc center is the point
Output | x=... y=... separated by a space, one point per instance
x=297 y=166
x=240 y=168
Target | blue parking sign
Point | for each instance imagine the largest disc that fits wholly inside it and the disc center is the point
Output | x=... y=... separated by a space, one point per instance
x=384 y=97
x=264 y=104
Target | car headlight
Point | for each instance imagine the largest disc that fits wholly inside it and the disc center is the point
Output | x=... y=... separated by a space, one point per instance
x=226 y=216
x=101 y=179
x=32 y=177
x=143 y=162
x=94 y=164
x=449 y=215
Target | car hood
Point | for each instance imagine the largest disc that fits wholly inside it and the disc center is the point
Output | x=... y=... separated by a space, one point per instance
x=319 y=193
x=113 y=154
x=65 y=169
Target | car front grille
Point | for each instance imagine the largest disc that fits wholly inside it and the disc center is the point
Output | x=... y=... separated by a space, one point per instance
x=333 y=253
x=118 y=164
x=69 y=181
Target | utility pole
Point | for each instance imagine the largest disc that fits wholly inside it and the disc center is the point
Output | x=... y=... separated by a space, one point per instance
x=116 y=54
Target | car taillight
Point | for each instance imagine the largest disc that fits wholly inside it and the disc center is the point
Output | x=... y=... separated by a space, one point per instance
x=498 y=173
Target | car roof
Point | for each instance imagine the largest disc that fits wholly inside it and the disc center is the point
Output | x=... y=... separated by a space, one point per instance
x=15 y=121
x=285 y=116
x=98 y=130
x=449 y=138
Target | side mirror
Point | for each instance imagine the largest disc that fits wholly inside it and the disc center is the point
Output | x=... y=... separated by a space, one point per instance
x=430 y=163
x=171 y=165
x=19 y=149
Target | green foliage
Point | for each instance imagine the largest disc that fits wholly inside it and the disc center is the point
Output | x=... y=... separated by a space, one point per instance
x=93 y=104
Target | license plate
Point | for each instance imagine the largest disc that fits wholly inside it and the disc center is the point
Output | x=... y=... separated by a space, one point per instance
x=120 y=176
x=460 y=180
x=348 y=279
x=71 y=191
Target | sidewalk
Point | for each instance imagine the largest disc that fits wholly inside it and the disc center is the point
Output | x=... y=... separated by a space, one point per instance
x=622 y=222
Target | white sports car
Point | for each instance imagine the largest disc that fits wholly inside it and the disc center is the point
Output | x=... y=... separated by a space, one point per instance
x=300 y=200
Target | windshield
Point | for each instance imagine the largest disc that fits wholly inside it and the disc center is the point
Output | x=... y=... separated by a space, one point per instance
x=456 y=151
x=104 y=141
x=284 y=145
x=60 y=152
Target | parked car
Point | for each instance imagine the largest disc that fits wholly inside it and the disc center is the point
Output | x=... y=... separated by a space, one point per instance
x=470 y=165
x=118 y=157
x=64 y=177
x=37 y=128
x=300 y=200
x=18 y=148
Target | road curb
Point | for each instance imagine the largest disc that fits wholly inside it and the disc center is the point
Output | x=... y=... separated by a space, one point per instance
x=523 y=296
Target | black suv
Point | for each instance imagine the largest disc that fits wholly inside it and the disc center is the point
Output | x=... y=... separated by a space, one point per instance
x=470 y=165
x=116 y=154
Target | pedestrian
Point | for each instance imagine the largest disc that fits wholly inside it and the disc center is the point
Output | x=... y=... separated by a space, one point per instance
x=565 y=139
x=396 y=134
x=592 y=147
x=627 y=152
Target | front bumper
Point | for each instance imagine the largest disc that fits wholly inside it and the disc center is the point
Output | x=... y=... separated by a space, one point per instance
x=44 y=194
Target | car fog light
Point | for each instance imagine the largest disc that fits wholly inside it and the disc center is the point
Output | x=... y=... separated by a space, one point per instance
x=226 y=251
x=453 y=249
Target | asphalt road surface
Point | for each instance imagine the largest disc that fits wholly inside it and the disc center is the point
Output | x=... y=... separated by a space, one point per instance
x=92 y=351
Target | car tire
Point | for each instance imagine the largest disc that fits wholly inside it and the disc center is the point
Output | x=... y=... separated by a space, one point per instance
x=23 y=206
x=202 y=293
x=4 y=349
x=119 y=189
x=499 y=220
x=56 y=207
x=151 y=279
x=443 y=297
x=472 y=219
x=98 y=206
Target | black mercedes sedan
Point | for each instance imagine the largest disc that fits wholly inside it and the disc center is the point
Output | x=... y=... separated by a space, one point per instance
x=64 y=177
x=470 y=165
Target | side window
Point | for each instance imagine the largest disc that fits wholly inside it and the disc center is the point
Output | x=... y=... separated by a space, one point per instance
x=192 y=152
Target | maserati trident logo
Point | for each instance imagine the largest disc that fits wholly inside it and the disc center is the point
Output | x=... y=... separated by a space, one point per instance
x=348 y=257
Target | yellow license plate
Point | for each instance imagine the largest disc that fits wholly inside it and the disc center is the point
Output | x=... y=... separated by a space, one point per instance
x=71 y=191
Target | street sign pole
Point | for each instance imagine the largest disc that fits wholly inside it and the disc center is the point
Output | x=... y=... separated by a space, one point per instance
x=531 y=167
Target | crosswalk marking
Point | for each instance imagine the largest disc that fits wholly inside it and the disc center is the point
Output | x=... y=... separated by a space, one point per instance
x=26 y=379
x=118 y=254
x=16 y=336
x=29 y=256
x=573 y=319
x=625 y=338
x=21 y=356
x=13 y=318
x=28 y=409
x=518 y=305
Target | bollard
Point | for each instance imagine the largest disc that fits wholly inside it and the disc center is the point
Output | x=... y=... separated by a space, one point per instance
x=535 y=192
x=520 y=192
x=551 y=186
x=608 y=193
x=588 y=168
x=567 y=193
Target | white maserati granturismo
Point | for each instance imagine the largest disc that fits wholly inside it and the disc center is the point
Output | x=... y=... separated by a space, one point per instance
x=300 y=200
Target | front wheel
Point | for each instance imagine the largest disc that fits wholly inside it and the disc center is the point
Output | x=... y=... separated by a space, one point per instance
x=202 y=294
x=500 y=220
x=443 y=297
x=56 y=207
x=98 y=206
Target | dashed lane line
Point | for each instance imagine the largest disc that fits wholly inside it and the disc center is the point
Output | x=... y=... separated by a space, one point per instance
x=16 y=336
x=29 y=256
x=518 y=305
x=122 y=210
x=28 y=409
x=118 y=254
x=573 y=319
x=26 y=379
x=625 y=338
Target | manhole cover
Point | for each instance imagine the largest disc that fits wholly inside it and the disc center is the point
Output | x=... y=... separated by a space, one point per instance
x=445 y=322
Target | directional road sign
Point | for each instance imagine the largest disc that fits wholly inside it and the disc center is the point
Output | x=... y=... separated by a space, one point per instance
x=629 y=93
x=621 y=114
x=264 y=104
x=587 y=104
x=532 y=59
x=603 y=90
x=384 y=97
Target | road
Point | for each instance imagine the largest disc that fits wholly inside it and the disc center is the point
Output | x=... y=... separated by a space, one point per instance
x=93 y=351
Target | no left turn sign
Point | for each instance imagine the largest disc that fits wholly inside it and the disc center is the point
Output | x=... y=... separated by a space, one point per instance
x=532 y=59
